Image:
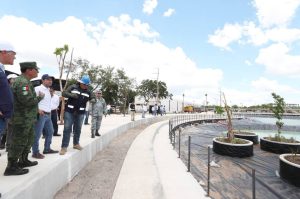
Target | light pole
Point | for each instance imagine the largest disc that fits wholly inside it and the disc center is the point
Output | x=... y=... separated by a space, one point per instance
x=183 y=102
x=205 y=102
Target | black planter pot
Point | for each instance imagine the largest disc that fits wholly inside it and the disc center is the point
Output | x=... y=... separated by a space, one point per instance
x=278 y=147
x=233 y=150
x=289 y=171
x=251 y=137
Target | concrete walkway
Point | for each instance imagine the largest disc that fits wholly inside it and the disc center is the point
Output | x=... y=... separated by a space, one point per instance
x=152 y=170
x=55 y=171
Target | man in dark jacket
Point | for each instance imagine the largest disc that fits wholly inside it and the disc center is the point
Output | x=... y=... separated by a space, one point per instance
x=78 y=95
x=7 y=56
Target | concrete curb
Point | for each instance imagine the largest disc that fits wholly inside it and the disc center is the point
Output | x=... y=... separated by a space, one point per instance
x=55 y=171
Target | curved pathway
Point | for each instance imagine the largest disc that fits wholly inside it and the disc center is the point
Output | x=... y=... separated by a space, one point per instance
x=99 y=177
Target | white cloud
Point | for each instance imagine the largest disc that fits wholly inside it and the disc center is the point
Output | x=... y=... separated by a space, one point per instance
x=149 y=6
x=264 y=84
x=260 y=91
x=223 y=37
x=275 y=12
x=278 y=61
x=254 y=34
x=169 y=12
x=119 y=42
x=284 y=35
x=248 y=63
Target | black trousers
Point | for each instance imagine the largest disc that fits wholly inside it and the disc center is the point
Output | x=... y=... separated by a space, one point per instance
x=54 y=121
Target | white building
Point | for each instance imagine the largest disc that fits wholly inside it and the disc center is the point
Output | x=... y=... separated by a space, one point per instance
x=171 y=106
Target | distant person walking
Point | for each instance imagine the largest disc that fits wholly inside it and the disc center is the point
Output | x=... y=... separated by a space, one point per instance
x=24 y=116
x=108 y=108
x=78 y=95
x=144 y=110
x=7 y=57
x=132 y=111
x=97 y=110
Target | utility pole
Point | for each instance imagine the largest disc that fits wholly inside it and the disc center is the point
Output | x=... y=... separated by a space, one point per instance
x=205 y=102
x=183 y=102
x=220 y=97
x=157 y=88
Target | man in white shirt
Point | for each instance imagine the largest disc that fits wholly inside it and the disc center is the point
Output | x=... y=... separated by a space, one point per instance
x=54 y=105
x=44 y=119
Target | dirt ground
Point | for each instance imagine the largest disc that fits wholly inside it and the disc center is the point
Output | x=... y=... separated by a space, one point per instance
x=99 y=177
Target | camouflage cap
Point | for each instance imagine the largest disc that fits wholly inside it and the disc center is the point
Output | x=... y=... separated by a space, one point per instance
x=29 y=65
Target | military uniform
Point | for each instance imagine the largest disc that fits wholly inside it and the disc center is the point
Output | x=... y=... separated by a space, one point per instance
x=24 y=116
x=97 y=110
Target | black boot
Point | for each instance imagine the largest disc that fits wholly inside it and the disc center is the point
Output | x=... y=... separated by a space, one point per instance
x=13 y=169
x=97 y=133
x=24 y=162
x=93 y=134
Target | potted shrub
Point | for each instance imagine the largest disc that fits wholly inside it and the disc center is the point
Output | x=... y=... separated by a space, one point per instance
x=289 y=168
x=229 y=145
x=278 y=143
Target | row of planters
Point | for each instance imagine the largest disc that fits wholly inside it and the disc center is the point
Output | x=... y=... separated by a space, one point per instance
x=240 y=144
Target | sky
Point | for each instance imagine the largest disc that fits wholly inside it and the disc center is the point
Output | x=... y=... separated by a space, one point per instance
x=244 y=48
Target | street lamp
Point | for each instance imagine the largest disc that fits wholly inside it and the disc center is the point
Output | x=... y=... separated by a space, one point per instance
x=183 y=102
x=205 y=102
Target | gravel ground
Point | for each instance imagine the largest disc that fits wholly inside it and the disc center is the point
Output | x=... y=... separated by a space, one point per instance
x=99 y=177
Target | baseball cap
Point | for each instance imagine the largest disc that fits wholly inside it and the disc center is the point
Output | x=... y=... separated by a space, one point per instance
x=46 y=76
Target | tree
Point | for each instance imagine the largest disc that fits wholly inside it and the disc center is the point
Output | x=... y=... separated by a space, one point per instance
x=230 y=133
x=61 y=54
x=125 y=91
x=148 y=89
x=117 y=88
x=219 y=110
x=278 y=110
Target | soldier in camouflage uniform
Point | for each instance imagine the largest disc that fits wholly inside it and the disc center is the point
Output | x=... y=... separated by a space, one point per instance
x=24 y=116
x=98 y=108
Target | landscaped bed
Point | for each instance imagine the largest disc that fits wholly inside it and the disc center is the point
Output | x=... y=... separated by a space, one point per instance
x=232 y=179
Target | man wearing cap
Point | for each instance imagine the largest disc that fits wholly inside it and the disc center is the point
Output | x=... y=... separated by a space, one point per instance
x=7 y=57
x=24 y=116
x=97 y=110
x=78 y=95
x=44 y=119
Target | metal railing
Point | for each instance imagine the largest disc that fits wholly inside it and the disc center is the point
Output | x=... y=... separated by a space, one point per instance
x=176 y=138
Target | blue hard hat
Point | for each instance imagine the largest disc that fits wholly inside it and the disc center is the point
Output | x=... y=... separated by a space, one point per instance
x=85 y=79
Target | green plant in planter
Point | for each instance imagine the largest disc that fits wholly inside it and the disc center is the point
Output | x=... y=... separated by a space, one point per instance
x=278 y=110
x=230 y=132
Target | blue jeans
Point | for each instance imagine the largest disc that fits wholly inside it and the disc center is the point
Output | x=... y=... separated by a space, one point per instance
x=2 y=126
x=72 y=121
x=86 y=120
x=44 y=122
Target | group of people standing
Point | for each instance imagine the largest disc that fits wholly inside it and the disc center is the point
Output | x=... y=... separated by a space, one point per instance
x=26 y=112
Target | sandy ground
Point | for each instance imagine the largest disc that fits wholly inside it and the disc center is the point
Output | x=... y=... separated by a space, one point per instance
x=99 y=177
